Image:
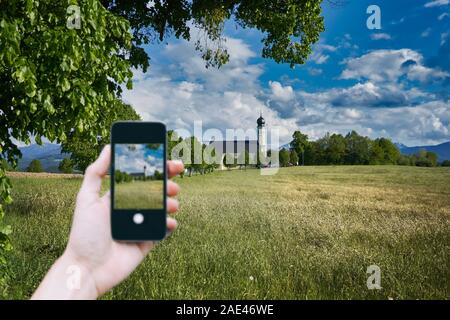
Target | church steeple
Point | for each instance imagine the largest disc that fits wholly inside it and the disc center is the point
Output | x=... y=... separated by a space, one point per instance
x=260 y=122
x=262 y=139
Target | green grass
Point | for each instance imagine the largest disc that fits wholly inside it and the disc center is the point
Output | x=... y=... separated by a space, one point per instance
x=139 y=195
x=305 y=233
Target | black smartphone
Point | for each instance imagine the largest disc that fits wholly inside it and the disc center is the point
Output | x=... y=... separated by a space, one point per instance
x=138 y=181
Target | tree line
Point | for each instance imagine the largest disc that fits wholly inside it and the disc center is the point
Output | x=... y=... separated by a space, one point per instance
x=197 y=162
x=331 y=149
x=121 y=176
x=351 y=149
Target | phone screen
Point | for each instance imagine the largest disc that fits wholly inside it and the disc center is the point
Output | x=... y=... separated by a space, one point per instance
x=139 y=176
x=138 y=181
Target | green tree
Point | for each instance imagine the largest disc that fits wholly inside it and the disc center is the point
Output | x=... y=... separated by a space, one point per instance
x=284 y=157
x=158 y=175
x=66 y=166
x=433 y=158
x=335 y=151
x=357 y=149
x=82 y=150
x=299 y=144
x=311 y=154
x=230 y=161
x=118 y=177
x=35 y=166
x=289 y=27
x=194 y=159
x=293 y=158
x=423 y=158
x=376 y=153
x=172 y=140
x=54 y=79
x=445 y=163
x=390 y=150
x=405 y=160
x=153 y=146
x=209 y=158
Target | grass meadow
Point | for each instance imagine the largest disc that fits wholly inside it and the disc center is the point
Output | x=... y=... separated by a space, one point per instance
x=139 y=195
x=305 y=233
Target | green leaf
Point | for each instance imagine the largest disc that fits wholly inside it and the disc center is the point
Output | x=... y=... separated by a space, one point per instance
x=48 y=106
x=64 y=66
x=38 y=140
x=130 y=84
x=30 y=90
x=65 y=85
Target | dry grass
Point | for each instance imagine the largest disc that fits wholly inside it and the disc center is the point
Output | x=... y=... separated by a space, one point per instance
x=139 y=195
x=305 y=233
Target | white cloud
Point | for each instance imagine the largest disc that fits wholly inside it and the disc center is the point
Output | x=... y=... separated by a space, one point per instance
x=325 y=47
x=426 y=123
x=135 y=161
x=367 y=95
x=315 y=71
x=281 y=93
x=424 y=74
x=318 y=53
x=444 y=37
x=380 y=36
x=389 y=66
x=442 y=16
x=352 y=113
x=426 y=33
x=395 y=22
x=185 y=91
x=319 y=58
x=436 y=3
x=229 y=97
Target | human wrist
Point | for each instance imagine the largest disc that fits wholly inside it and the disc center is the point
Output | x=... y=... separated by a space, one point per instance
x=68 y=279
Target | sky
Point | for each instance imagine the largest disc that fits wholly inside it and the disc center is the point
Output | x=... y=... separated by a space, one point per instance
x=131 y=158
x=393 y=82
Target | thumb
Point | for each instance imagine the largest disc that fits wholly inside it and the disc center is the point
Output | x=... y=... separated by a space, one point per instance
x=93 y=175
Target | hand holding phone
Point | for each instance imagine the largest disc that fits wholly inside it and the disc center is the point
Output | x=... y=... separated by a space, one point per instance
x=91 y=252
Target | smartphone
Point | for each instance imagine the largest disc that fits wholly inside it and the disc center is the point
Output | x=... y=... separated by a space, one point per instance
x=138 y=181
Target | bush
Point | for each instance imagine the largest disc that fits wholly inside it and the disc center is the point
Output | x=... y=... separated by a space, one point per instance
x=426 y=159
x=405 y=160
x=445 y=163
x=35 y=166
x=66 y=166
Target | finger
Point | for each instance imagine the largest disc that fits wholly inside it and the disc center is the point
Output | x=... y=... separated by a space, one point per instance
x=92 y=181
x=174 y=167
x=145 y=247
x=172 y=188
x=172 y=205
x=171 y=225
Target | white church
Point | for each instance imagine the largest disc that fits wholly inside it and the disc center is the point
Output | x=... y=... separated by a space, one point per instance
x=238 y=147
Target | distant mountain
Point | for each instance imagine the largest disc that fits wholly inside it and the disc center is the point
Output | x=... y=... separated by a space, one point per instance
x=49 y=154
x=286 y=146
x=442 y=150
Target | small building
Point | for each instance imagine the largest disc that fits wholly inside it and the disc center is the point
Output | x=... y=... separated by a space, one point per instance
x=238 y=147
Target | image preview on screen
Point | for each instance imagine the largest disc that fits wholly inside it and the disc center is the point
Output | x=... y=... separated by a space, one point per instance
x=139 y=176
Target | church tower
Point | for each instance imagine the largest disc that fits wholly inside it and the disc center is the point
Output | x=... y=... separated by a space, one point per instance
x=262 y=136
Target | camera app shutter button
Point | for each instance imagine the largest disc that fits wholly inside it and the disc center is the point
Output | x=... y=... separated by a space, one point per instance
x=138 y=218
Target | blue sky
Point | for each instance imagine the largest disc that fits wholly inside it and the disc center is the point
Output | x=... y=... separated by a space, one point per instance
x=132 y=158
x=392 y=82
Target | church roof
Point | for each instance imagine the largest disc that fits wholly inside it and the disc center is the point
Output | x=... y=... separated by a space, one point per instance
x=235 y=146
